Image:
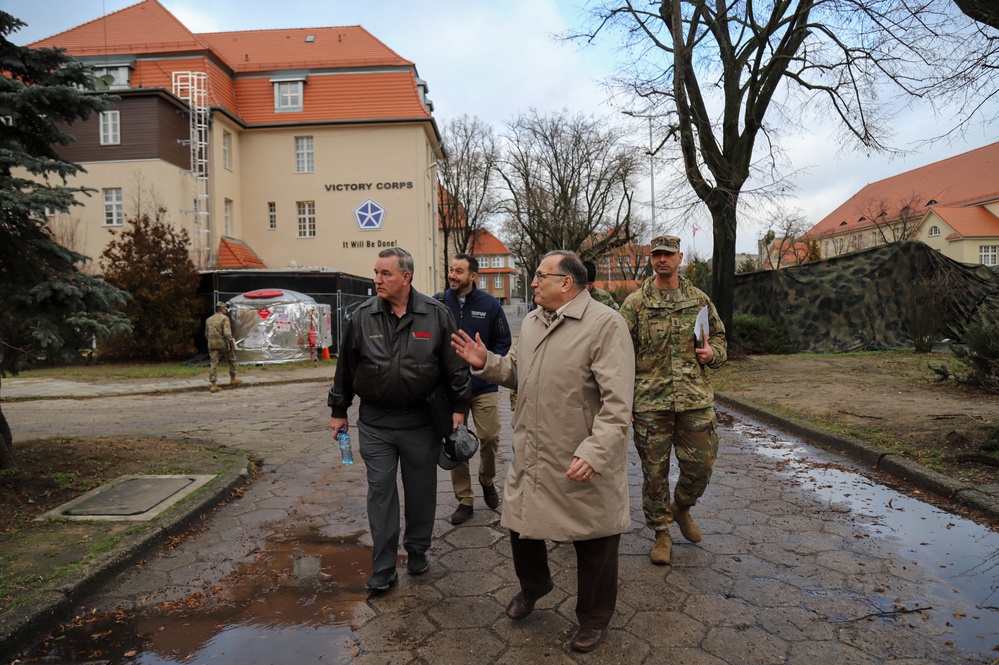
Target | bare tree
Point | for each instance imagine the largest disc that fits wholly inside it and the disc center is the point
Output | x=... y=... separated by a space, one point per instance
x=895 y=220
x=570 y=181
x=786 y=241
x=468 y=179
x=724 y=75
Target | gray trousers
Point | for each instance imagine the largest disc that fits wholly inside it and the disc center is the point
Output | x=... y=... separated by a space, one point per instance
x=383 y=451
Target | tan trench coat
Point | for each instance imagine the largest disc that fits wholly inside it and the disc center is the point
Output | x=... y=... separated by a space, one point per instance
x=575 y=385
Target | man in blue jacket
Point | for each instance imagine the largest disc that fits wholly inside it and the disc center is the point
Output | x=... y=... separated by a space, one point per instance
x=476 y=311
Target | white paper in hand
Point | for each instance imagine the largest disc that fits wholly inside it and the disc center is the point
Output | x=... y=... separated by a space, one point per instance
x=701 y=329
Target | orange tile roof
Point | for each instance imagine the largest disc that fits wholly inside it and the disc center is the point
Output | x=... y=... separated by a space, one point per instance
x=268 y=50
x=235 y=253
x=486 y=243
x=963 y=179
x=335 y=97
x=969 y=221
x=148 y=30
x=143 y=28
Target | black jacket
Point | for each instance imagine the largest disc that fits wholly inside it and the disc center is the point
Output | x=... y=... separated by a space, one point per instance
x=393 y=364
x=483 y=314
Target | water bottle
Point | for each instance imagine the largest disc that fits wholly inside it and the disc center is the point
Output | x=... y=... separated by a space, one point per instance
x=346 y=454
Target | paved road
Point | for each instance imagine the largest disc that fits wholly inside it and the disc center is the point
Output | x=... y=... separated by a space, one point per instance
x=785 y=573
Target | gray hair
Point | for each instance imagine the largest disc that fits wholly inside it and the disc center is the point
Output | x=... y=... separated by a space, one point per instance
x=571 y=265
x=404 y=257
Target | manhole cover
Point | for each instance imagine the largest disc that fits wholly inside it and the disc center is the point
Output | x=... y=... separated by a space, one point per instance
x=130 y=498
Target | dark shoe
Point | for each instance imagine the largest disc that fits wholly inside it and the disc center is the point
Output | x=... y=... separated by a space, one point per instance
x=519 y=608
x=490 y=496
x=418 y=564
x=587 y=639
x=381 y=581
x=461 y=515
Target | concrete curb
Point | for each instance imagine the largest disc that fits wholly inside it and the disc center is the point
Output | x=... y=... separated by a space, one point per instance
x=42 y=612
x=873 y=456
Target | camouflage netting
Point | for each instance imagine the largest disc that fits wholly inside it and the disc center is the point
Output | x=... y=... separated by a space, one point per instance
x=872 y=299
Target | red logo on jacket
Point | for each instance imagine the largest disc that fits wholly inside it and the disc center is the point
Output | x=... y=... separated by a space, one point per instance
x=421 y=335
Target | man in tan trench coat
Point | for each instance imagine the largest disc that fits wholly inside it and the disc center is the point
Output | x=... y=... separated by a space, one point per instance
x=574 y=370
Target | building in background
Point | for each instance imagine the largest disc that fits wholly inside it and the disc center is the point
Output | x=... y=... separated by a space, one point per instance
x=303 y=147
x=498 y=273
x=951 y=205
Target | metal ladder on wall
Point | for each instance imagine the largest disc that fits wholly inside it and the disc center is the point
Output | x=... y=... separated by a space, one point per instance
x=192 y=87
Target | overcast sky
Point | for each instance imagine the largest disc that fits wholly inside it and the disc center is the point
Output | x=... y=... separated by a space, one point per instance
x=494 y=59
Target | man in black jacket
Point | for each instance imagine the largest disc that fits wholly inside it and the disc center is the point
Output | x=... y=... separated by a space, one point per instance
x=395 y=350
x=476 y=311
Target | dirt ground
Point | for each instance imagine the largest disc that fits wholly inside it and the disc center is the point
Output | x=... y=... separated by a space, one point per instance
x=892 y=399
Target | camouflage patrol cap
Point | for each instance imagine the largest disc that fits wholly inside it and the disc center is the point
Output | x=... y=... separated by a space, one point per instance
x=458 y=446
x=665 y=244
x=222 y=305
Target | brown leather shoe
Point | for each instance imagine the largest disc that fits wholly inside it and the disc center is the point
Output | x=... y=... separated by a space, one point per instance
x=490 y=496
x=587 y=639
x=519 y=608
x=461 y=514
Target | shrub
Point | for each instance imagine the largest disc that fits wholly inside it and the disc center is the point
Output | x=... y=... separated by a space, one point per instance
x=754 y=335
x=980 y=354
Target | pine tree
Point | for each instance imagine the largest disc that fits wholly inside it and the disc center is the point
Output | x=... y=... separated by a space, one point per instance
x=48 y=308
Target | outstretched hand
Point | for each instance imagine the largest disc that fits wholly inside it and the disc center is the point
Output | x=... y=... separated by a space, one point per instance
x=471 y=351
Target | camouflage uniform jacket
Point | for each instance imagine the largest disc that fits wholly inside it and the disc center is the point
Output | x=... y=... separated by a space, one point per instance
x=218 y=330
x=603 y=296
x=667 y=374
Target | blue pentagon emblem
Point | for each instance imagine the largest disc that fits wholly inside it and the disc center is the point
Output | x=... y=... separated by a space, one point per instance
x=369 y=216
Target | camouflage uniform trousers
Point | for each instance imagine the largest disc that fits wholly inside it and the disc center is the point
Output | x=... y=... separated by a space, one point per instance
x=214 y=356
x=694 y=436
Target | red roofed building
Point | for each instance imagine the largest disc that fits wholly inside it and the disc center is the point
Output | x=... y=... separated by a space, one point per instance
x=497 y=267
x=951 y=205
x=286 y=147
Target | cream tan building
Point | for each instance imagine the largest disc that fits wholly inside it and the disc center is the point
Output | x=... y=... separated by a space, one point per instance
x=308 y=147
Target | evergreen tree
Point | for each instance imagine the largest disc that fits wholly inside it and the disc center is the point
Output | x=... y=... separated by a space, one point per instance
x=48 y=308
x=152 y=261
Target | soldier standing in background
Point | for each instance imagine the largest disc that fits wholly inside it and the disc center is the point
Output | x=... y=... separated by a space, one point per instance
x=597 y=294
x=674 y=402
x=218 y=330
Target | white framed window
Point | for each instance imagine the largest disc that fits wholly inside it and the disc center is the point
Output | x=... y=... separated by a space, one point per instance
x=988 y=255
x=288 y=95
x=497 y=262
x=227 y=150
x=305 y=161
x=228 y=217
x=934 y=231
x=306 y=219
x=119 y=75
x=110 y=127
x=483 y=283
x=498 y=282
x=113 y=212
x=271 y=215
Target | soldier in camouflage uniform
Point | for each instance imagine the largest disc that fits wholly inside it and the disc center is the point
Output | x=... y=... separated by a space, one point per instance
x=218 y=330
x=597 y=294
x=673 y=398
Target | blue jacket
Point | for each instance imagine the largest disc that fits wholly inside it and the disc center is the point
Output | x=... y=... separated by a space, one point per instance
x=483 y=314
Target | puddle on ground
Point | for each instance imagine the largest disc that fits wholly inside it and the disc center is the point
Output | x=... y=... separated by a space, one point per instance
x=962 y=554
x=296 y=603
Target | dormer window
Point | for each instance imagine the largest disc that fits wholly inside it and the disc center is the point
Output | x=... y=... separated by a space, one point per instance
x=288 y=94
x=842 y=223
x=934 y=231
x=932 y=202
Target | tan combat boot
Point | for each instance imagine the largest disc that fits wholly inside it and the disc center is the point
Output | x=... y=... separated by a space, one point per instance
x=215 y=387
x=233 y=381
x=662 y=549
x=688 y=527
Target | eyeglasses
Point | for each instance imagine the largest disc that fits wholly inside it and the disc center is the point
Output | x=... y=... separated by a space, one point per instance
x=538 y=275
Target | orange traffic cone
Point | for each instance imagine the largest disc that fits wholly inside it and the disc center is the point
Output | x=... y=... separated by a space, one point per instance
x=326 y=354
